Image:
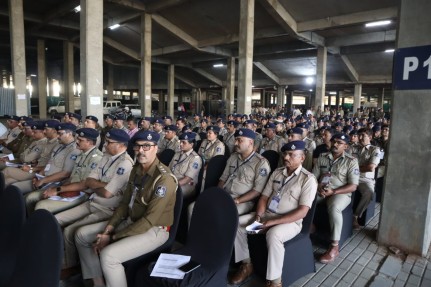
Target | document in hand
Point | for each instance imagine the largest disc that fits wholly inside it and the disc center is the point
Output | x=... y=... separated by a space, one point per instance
x=167 y=266
x=254 y=227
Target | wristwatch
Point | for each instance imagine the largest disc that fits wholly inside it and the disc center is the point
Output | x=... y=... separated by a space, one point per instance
x=30 y=170
x=58 y=189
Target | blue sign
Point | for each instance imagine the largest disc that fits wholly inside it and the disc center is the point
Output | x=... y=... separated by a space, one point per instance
x=412 y=68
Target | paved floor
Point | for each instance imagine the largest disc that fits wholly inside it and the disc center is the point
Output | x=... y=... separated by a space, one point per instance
x=362 y=262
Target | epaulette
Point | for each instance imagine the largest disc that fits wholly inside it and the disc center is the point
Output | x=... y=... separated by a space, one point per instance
x=349 y=156
x=303 y=170
x=161 y=168
x=259 y=156
x=279 y=168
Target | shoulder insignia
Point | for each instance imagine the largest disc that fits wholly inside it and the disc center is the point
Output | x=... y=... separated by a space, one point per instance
x=303 y=170
x=218 y=149
x=37 y=149
x=161 y=191
x=93 y=165
x=14 y=135
x=195 y=165
x=120 y=171
x=263 y=172
x=161 y=168
x=73 y=157
x=356 y=171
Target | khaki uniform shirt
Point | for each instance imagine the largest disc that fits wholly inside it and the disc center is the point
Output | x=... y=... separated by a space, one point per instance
x=33 y=152
x=84 y=164
x=19 y=145
x=173 y=144
x=310 y=146
x=208 y=149
x=229 y=140
x=62 y=158
x=354 y=149
x=115 y=171
x=275 y=144
x=344 y=170
x=222 y=132
x=258 y=141
x=11 y=135
x=241 y=176
x=46 y=153
x=298 y=189
x=148 y=200
x=369 y=155
x=188 y=164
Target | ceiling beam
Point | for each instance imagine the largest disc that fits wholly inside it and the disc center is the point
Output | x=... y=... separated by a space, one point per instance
x=348 y=19
x=268 y=72
x=122 y=48
x=367 y=48
x=207 y=75
x=137 y=5
x=350 y=70
x=161 y=5
x=175 y=30
x=170 y=50
x=286 y=55
x=358 y=39
x=186 y=81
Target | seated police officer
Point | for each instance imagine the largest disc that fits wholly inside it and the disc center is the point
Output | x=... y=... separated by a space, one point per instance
x=338 y=175
x=139 y=225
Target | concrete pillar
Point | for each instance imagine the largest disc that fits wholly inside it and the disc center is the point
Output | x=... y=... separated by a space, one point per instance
x=145 y=81
x=337 y=99
x=110 y=87
x=322 y=58
x=406 y=208
x=245 y=65
x=171 y=90
x=230 y=86
x=381 y=99
x=343 y=100
x=194 y=101
x=161 y=103
x=280 y=95
x=91 y=53
x=17 y=36
x=357 y=97
x=41 y=79
x=68 y=76
x=289 y=101
x=329 y=100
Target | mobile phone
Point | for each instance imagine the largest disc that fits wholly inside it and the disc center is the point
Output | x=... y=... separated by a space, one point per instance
x=188 y=267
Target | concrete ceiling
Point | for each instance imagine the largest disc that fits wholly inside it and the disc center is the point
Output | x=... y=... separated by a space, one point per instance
x=195 y=34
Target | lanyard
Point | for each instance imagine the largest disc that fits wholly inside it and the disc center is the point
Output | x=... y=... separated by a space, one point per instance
x=61 y=148
x=247 y=160
x=210 y=145
x=179 y=162
x=331 y=163
x=285 y=182
x=103 y=168
x=81 y=162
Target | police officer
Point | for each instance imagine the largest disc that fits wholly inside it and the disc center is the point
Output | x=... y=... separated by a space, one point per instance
x=338 y=175
x=186 y=164
x=109 y=124
x=167 y=120
x=139 y=225
x=107 y=183
x=11 y=134
x=368 y=160
x=75 y=119
x=272 y=141
x=23 y=140
x=119 y=121
x=285 y=201
x=221 y=124
x=310 y=146
x=211 y=146
x=92 y=123
x=229 y=137
x=252 y=125
x=86 y=162
x=170 y=140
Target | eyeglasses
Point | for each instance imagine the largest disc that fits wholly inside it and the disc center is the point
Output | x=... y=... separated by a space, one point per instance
x=145 y=147
x=61 y=133
x=109 y=142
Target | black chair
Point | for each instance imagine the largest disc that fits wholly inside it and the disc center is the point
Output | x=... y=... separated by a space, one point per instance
x=12 y=217
x=212 y=232
x=273 y=157
x=369 y=212
x=203 y=135
x=132 y=266
x=379 y=189
x=298 y=254
x=166 y=156
x=215 y=170
x=2 y=182
x=197 y=145
x=40 y=252
x=226 y=151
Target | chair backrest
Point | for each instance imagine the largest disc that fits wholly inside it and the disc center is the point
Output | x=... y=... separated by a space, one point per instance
x=272 y=156
x=2 y=182
x=166 y=156
x=226 y=151
x=212 y=228
x=197 y=145
x=12 y=216
x=40 y=252
x=177 y=215
x=215 y=169
x=308 y=219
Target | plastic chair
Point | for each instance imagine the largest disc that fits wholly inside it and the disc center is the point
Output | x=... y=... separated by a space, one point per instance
x=298 y=254
x=40 y=252
x=12 y=217
x=166 y=156
x=212 y=232
x=273 y=157
x=132 y=266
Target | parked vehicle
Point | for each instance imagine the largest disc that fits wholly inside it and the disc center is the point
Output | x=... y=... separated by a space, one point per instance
x=110 y=107
x=61 y=108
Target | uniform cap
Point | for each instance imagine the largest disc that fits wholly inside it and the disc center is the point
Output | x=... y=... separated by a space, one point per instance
x=37 y=125
x=215 y=129
x=65 y=126
x=171 y=128
x=248 y=133
x=15 y=118
x=118 y=135
x=188 y=136
x=167 y=118
x=295 y=130
x=88 y=133
x=293 y=145
x=51 y=124
x=271 y=126
x=234 y=123
x=342 y=137
x=109 y=116
x=26 y=119
x=148 y=136
x=92 y=118
x=75 y=115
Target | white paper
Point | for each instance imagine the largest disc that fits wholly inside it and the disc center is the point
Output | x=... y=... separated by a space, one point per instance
x=66 y=199
x=21 y=97
x=147 y=97
x=11 y=164
x=39 y=176
x=167 y=266
x=254 y=227
x=94 y=100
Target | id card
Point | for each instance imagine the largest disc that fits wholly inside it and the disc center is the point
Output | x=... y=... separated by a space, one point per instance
x=382 y=154
x=132 y=198
x=326 y=178
x=273 y=205
x=47 y=167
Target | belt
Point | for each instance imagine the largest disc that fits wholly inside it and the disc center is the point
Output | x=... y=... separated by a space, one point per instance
x=167 y=228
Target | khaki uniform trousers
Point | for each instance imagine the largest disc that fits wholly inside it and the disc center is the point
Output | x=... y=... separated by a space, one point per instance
x=55 y=206
x=336 y=204
x=115 y=253
x=275 y=239
x=32 y=198
x=13 y=175
x=366 y=188
x=73 y=219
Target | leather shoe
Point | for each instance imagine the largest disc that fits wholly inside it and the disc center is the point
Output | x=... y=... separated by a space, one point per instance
x=272 y=284
x=329 y=255
x=244 y=271
x=356 y=225
x=69 y=272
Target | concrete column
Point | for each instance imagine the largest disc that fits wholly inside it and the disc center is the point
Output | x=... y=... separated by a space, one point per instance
x=194 y=101
x=280 y=95
x=41 y=79
x=343 y=100
x=320 y=77
x=245 y=65
x=357 y=97
x=289 y=101
x=230 y=86
x=329 y=100
x=406 y=208
x=17 y=36
x=262 y=97
x=91 y=53
x=68 y=76
x=110 y=87
x=161 y=103
x=171 y=90
x=145 y=81
x=381 y=99
x=337 y=99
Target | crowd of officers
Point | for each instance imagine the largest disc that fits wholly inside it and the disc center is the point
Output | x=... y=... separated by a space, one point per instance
x=114 y=199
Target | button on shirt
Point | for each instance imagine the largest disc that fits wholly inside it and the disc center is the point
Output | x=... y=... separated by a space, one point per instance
x=369 y=155
x=241 y=176
x=297 y=189
x=33 y=152
x=85 y=163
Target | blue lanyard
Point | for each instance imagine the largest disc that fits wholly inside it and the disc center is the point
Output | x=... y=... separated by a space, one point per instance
x=103 y=168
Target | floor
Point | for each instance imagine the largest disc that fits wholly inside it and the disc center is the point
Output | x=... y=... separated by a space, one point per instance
x=362 y=262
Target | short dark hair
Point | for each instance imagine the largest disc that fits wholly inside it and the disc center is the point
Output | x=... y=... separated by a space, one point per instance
x=367 y=131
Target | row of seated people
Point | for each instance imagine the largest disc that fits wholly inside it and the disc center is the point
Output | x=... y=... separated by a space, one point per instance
x=65 y=130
